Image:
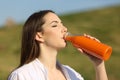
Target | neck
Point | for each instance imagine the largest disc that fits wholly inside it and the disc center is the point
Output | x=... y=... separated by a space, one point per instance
x=48 y=57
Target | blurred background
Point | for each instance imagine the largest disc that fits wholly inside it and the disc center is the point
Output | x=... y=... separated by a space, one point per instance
x=99 y=18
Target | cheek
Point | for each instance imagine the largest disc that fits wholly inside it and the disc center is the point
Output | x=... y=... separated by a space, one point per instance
x=50 y=36
x=51 y=40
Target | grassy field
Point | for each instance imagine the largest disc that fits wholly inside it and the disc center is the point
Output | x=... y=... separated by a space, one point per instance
x=103 y=24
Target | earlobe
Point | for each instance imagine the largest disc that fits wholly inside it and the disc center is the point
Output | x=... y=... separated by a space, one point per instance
x=38 y=37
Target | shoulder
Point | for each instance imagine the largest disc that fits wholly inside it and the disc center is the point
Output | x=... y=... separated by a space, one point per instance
x=19 y=73
x=72 y=73
x=24 y=72
x=31 y=71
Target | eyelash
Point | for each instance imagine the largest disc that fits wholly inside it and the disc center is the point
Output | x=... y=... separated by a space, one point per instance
x=57 y=25
x=54 y=26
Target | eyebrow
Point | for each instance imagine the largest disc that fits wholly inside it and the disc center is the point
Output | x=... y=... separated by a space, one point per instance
x=54 y=21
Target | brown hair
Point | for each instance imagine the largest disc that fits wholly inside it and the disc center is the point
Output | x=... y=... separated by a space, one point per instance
x=30 y=48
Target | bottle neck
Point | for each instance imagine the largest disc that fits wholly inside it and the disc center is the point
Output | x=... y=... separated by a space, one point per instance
x=69 y=36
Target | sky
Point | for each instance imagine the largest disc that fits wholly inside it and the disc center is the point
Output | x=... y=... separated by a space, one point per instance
x=20 y=10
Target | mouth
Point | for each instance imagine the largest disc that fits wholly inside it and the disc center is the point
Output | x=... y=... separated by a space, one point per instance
x=64 y=39
x=64 y=36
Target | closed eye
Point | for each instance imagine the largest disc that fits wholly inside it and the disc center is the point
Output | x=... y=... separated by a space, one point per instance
x=54 y=26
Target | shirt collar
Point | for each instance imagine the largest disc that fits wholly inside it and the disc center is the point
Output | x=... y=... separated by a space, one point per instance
x=64 y=71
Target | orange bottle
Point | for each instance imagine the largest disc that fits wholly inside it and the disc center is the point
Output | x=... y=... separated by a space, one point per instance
x=91 y=46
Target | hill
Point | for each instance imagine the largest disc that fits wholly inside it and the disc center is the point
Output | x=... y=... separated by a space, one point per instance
x=103 y=24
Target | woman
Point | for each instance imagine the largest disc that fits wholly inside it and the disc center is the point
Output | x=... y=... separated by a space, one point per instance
x=42 y=38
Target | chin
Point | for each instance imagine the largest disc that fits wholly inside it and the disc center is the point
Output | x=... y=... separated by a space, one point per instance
x=63 y=46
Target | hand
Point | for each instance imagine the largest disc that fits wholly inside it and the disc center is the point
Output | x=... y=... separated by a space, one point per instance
x=94 y=59
x=98 y=63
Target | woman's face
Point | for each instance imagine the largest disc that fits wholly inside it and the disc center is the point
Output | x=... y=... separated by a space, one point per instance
x=54 y=31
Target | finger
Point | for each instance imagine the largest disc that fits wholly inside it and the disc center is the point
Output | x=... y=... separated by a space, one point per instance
x=91 y=37
x=79 y=49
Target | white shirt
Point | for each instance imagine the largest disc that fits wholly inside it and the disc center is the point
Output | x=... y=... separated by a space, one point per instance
x=35 y=70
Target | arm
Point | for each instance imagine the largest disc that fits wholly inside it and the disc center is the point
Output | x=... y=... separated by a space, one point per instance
x=98 y=63
x=100 y=71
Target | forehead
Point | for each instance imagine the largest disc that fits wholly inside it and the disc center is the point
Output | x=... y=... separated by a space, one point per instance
x=49 y=17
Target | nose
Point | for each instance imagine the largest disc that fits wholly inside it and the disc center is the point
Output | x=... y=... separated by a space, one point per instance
x=64 y=30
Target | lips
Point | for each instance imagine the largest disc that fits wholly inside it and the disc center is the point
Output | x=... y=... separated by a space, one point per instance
x=64 y=36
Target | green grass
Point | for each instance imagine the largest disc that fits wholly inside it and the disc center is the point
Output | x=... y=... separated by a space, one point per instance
x=103 y=24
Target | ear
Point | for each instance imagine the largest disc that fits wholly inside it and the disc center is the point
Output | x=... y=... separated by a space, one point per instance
x=39 y=37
